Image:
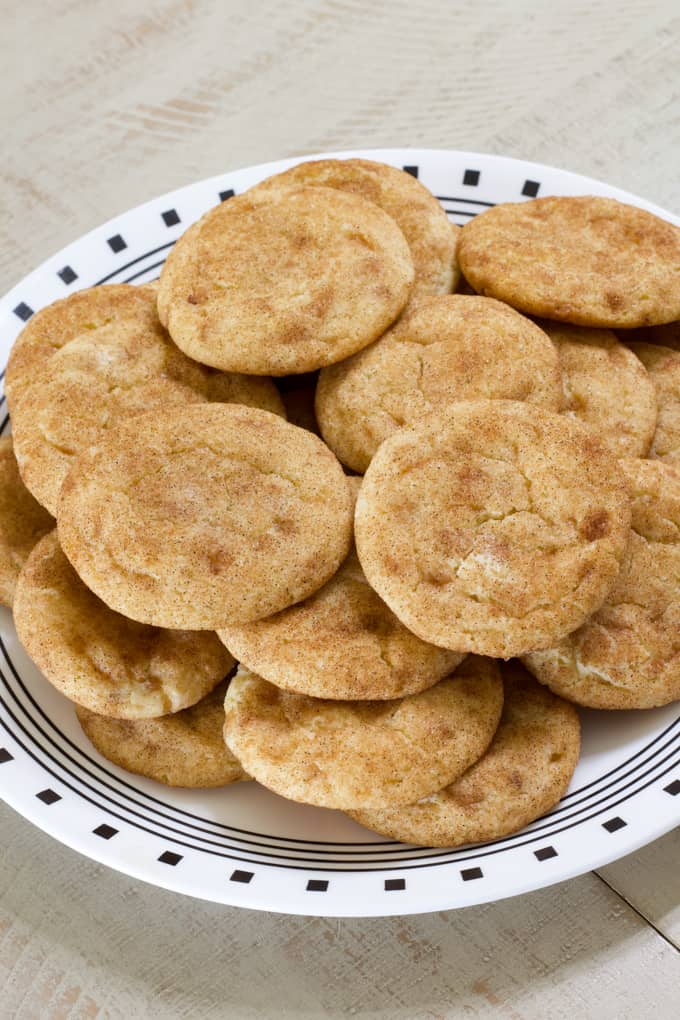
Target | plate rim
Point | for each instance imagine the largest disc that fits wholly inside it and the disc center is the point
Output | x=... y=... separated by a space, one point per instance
x=302 y=907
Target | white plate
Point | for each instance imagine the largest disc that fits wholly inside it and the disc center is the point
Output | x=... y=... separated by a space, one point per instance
x=246 y=846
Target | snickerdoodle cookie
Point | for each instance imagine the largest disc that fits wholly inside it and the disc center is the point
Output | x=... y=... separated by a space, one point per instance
x=106 y=372
x=493 y=526
x=343 y=642
x=205 y=514
x=606 y=387
x=524 y=773
x=184 y=749
x=663 y=366
x=417 y=213
x=627 y=655
x=586 y=260
x=285 y=282
x=443 y=349
x=22 y=521
x=351 y=754
x=100 y=659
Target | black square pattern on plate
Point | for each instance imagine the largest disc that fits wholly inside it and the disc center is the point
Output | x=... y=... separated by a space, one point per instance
x=545 y=853
x=241 y=876
x=614 y=824
x=531 y=188
x=116 y=243
x=5 y=755
x=470 y=874
x=673 y=788
x=105 y=831
x=170 y=217
x=168 y=857
x=67 y=275
x=317 y=885
x=471 y=177
x=227 y=193
x=412 y=170
x=23 y=311
x=392 y=884
x=48 y=796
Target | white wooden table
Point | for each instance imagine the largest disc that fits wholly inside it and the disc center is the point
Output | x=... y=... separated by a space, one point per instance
x=107 y=104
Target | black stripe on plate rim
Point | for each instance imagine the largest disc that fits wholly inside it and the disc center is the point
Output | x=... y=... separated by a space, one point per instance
x=448 y=858
x=259 y=842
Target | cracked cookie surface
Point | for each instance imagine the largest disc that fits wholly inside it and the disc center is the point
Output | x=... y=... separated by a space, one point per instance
x=100 y=659
x=280 y=283
x=104 y=370
x=627 y=655
x=343 y=642
x=582 y=259
x=23 y=521
x=606 y=387
x=443 y=349
x=493 y=527
x=185 y=749
x=346 y=754
x=421 y=219
x=205 y=514
x=525 y=771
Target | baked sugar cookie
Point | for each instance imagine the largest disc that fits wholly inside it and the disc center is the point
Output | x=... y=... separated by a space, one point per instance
x=100 y=659
x=184 y=749
x=120 y=310
x=605 y=387
x=493 y=526
x=279 y=283
x=524 y=773
x=627 y=655
x=663 y=366
x=417 y=213
x=585 y=260
x=443 y=349
x=350 y=754
x=205 y=514
x=341 y=643
x=22 y=521
x=110 y=369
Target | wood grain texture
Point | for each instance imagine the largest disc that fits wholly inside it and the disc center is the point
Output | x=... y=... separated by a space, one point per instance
x=78 y=940
x=105 y=105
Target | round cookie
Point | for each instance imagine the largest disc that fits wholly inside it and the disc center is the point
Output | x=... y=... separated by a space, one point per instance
x=204 y=515
x=98 y=312
x=415 y=210
x=524 y=773
x=663 y=366
x=185 y=749
x=493 y=527
x=627 y=655
x=341 y=643
x=280 y=283
x=605 y=387
x=100 y=659
x=22 y=522
x=351 y=754
x=443 y=349
x=123 y=367
x=585 y=260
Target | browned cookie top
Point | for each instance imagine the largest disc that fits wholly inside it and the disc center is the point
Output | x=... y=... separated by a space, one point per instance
x=586 y=260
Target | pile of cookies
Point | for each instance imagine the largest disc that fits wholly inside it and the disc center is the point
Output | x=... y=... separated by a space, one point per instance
x=454 y=516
